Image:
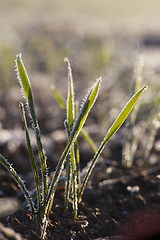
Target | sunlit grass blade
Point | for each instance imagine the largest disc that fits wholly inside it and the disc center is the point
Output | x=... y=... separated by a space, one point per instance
x=77 y=157
x=115 y=126
x=21 y=184
x=74 y=182
x=87 y=104
x=26 y=88
x=70 y=99
x=72 y=169
x=76 y=152
x=89 y=140
x=85 y=109
x=58 y=97
x=67 y=183
x=70 y=107
x=33 y=163
x=68 y=171
x=84 y=134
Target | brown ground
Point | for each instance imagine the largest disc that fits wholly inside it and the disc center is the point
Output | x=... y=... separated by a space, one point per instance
x=105 y=206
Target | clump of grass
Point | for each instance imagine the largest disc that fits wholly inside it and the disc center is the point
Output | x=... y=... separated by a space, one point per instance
x=73 y=125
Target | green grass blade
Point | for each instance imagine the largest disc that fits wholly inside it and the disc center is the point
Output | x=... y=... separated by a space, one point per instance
x=77 y=157
x=33 y=163
x=72 y=166
x=70 y=99
x=68 y=171
x=67 y=183
x=85 y=108
x=89 y=140
x=59 y=98
x=70 y=112
x=84 y=134
x=115 y=126
x=87 y=104
x=74 y=182
x=26 y=88
x=21 y=184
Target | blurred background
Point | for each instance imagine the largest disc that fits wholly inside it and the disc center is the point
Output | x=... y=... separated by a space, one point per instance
x=100 y=37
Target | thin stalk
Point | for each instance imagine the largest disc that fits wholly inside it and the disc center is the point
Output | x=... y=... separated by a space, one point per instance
x=33 y=163
x=149 y=144
x=77 y=157
x=71 y=169
x=74 y=182
x=67 y=183
x=76 y=150
x=68 y=170
x=58 y=97
x=89 y=140
x=21 y=184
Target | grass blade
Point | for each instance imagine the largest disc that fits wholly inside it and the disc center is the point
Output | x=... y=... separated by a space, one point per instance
x=26 y=88
x=59 y=98
x=67 y=183
x=74 y=182
x=68 y=171
x=87 y=104
x=72 y=166
x=115 y=126
x=70 y=119
x=33 y=163
x=89 y=140
x=21 y=184
x=85 y=108
x=76 y=150
x=70 y=99
x=84 y=134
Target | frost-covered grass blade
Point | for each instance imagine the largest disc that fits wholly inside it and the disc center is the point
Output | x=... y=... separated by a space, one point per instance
x=84 y=134
x=21 y=184
x=70 y=100
x=33 y=163
x=27 y=91
x=70 y=112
